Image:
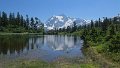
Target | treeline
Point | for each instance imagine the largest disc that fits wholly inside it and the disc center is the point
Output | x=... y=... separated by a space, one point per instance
x=105 y=32
x=16 y=23
x=104 y=36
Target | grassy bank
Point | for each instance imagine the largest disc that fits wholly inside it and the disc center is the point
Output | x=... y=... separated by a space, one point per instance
x=61 y=63
x=103 y=59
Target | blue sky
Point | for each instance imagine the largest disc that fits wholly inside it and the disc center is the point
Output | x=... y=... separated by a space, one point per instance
x=44 y=9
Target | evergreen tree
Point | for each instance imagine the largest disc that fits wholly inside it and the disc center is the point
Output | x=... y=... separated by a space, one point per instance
x=10 y=19
x=0 y=19
x=74 y=28
x=112 y=30
x=105 y=24
x=96 y=23
x=22 y=21
x=92 y=24
x=93 y=34
x=32 y=23
x=36 y=22
x=18 y=19
x=4 y=19
x=99 y=22
x=27 y=22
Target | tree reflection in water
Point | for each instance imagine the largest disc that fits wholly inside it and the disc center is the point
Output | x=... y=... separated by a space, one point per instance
x=53 y=45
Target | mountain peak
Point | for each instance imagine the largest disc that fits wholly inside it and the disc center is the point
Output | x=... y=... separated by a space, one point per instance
x=62 y=21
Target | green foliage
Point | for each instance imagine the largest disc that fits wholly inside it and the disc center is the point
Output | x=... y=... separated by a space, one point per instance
x=115 y=44
x=104 y=36
x=107 y=34
x=17 y=24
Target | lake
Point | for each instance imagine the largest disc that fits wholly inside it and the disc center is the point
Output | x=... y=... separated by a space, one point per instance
x=44 y=47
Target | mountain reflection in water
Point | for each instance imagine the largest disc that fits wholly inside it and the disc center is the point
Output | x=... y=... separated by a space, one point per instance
x=47 y=47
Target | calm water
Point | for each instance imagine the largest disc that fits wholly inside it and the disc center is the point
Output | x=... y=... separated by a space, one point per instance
x=47 y=48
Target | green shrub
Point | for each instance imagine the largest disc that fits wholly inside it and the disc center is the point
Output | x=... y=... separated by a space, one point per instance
x=114 y=46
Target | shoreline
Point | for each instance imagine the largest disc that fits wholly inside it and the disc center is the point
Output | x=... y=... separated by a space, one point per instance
x=60 y=63
x=21 y=34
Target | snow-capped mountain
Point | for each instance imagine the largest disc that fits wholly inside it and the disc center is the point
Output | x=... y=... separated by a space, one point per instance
x=63 y=21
